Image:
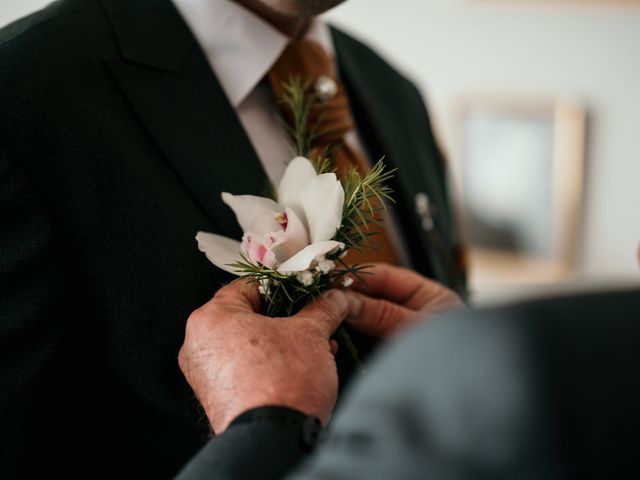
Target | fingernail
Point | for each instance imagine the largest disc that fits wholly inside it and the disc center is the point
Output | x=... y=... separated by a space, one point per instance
x=336 y=297
x=355 y=304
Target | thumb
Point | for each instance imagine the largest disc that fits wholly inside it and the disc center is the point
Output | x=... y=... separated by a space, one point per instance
x=326 y=313
x=239 y=293
x=375 y=317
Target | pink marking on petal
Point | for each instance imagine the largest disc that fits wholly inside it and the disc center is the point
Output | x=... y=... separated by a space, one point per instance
x=247 y=240
x=261 y=252
x=258 y=252
x=266 y=257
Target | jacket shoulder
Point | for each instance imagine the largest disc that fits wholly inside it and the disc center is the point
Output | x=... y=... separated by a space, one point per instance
x=43 y=54
x=25 y=33
x=55 y=12
x=376 y=63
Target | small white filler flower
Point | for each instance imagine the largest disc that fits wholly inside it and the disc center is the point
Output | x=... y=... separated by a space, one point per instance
x=347 y=281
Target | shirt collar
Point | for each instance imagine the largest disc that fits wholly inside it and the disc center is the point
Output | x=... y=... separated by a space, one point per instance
x=240 y=46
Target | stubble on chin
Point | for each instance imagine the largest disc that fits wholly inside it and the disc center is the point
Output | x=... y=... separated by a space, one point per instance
x=301 y=8
x=316 y=7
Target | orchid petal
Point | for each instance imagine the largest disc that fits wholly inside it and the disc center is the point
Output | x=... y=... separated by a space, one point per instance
x=295 y=237
x=256 y=214
x=258 y=250
x=298 y=173
x=322 y=201
x=302 y=260
x=221 y=251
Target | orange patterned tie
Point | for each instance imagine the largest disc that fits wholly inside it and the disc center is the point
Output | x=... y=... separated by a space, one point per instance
x=308 y=61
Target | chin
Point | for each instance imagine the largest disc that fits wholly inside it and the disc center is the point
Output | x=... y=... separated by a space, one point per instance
x=301 y=8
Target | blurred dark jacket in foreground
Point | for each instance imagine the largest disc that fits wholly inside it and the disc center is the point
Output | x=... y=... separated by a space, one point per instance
x=541 y=390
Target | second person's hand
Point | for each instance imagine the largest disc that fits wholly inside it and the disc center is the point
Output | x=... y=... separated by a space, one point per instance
x=394 y=298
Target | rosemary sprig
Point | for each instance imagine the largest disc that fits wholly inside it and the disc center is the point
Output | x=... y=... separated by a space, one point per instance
x=299 y=100
x=364 y=201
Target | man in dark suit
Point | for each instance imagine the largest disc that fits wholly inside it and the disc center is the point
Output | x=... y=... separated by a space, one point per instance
x=541 y=390
x=117 y=135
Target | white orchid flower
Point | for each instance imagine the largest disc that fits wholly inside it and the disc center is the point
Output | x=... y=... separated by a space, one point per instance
x=287 y=235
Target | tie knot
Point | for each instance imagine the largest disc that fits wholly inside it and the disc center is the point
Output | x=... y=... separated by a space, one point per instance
x=304 y=58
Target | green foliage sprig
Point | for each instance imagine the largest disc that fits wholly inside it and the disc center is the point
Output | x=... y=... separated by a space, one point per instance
x=298 y=99
x=364 y=202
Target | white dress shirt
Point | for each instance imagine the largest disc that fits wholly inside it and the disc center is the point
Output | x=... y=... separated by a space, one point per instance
x=241 y=48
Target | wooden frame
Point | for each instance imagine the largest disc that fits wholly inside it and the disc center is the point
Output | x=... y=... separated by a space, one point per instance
x=563 y=127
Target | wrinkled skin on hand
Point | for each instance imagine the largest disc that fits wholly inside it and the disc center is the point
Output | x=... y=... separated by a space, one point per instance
x=236 y=359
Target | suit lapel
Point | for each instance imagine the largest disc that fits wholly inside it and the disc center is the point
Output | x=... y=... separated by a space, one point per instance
x=385 y=133
x=167 y=80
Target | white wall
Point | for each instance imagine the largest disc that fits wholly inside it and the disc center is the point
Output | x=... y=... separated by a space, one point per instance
x=12 y=9
x=455 y=47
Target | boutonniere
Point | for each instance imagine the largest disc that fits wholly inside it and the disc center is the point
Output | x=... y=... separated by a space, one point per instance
x=294 y=244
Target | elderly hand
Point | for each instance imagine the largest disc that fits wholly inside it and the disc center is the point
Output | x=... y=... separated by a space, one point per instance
x=236 y=359
x=395 y=299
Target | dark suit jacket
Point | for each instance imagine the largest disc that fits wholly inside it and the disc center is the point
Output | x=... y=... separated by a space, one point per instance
x=116 y=140
x=542 y=390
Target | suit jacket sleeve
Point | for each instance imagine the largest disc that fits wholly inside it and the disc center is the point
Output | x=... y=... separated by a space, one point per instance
x=448 y=400
x=30 y=302
x=262 y=444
